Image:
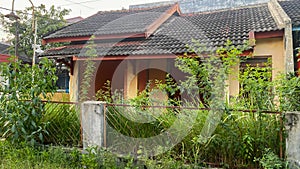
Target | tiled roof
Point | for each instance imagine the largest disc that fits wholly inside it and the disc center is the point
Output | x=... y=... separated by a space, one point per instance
x=292 y=9
x=4 y=49
x=215 y=28
x=212 y=29
x=112 y=22
x=74 y=20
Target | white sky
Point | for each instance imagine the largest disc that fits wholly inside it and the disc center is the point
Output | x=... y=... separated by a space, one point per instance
x=85 y=8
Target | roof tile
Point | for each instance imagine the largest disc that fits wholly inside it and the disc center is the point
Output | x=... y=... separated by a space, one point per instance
x=292 y=9
x=112 y=22
x=211 y=29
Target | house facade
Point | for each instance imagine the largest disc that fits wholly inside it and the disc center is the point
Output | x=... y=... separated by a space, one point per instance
x=131 y=47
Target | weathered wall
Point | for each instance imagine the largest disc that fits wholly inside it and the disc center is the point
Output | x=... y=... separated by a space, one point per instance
x=284 y=22
x=124 y=74
x=92 y=123
x=130 y=80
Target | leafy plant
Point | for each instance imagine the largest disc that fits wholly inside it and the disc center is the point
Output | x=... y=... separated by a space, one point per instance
x=288 y=91
x=63 y=124
x=88 y=71
x=269 y=160
x=257 y=87
x=23 y=156
x=22 y=90
x=48 y=20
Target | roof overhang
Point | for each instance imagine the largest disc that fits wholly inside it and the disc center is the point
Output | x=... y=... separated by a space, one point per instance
x=89 y=37
x=139 y=57
x=264 y=35
x=132 y=57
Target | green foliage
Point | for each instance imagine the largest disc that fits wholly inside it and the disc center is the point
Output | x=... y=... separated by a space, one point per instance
x=21 y=106
x=89 y=159
x=208 y=71
x=22 y=156
x=288 y=91
x=223 y=135
x=105 y=94
x=89 y=70
x=165 y=161
x=269 y=160
x=48 y=20
x=63 y=124
x=257 y=87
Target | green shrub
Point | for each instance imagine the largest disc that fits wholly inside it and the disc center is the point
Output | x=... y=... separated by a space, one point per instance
x=269 y=160
x=21 y=107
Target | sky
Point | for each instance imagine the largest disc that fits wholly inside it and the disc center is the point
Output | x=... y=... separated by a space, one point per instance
x=83 y=8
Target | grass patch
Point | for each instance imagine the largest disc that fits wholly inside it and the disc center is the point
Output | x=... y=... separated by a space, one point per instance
x=22 y=156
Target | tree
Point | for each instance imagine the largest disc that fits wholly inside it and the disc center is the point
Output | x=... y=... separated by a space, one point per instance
x=48 y=20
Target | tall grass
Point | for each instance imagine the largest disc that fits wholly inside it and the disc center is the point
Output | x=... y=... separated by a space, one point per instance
x=238 y=140
x=63 y=126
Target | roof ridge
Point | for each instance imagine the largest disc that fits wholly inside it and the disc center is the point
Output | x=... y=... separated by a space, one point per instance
x=137 y=9
x=225 y=9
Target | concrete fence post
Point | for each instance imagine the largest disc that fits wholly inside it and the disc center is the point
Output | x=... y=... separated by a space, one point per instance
x=293 y=139
x=92 y=123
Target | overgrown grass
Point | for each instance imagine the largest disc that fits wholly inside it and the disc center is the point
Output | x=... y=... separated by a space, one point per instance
x=22 y=156
x=238 y=140
x=63 y=126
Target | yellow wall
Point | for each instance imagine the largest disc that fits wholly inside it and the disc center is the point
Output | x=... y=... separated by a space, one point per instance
x=233 y=84
x=273 y=47
x=74 y=83
x=130 y=80
x=134 y=67
x=61 y=97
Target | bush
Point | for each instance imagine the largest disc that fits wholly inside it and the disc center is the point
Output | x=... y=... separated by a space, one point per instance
x=22 y=89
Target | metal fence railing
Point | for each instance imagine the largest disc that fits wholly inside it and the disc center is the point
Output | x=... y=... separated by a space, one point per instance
x=265 y=128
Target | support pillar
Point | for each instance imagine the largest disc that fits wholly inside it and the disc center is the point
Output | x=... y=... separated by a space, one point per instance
x=93 y=124
x=293 y=139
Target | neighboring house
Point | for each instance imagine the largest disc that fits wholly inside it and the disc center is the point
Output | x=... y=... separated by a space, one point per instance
x=192 y=6
x=4 y=57
x=74 y=20
x=4 y=54
x=138 y=45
